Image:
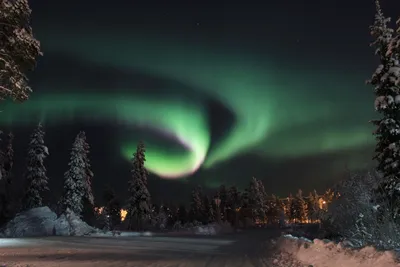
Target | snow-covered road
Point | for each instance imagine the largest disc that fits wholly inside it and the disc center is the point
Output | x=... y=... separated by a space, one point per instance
x=245 y=249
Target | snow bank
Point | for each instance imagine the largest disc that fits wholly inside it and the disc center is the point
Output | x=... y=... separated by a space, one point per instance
x=44 y=222
x=324 y=253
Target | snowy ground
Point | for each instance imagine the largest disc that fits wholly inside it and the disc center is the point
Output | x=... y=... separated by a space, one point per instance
x=324 y=253
x=242 y=249
x=252 y=248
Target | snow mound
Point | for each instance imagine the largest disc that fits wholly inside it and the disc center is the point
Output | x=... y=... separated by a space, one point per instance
x=44 y=222
x=325 y=253
x=212 y=229
x=31 y=223
x=77 y=226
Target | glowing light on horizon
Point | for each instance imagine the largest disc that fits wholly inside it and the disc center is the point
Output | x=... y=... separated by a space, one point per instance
x=123 y=212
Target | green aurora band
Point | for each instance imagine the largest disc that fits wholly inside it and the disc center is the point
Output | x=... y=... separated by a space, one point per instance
x=271 y=117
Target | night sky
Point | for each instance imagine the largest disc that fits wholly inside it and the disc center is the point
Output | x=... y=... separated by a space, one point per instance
x=219 y=91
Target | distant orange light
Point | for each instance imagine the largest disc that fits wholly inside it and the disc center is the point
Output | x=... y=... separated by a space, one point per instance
x=123 y=214
x=100 y=210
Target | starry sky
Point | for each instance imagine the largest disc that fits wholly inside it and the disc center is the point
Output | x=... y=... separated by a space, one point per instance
x=219 y=91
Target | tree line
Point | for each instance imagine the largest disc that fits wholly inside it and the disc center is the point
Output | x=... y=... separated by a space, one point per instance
x=252 y=206
x=227 y=205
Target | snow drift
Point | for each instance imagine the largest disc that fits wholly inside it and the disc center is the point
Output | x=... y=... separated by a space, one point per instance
x=325 y=253
x=44 y=222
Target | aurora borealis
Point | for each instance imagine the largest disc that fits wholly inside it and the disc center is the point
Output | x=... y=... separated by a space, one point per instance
x=252 y=98
x=205 y=90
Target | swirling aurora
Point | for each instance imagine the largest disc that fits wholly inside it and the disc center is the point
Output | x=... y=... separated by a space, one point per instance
x=279 y=110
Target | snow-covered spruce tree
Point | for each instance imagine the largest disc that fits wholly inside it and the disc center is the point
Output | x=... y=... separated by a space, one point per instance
x=139 y=201
x=35 y=176
x=18 y=50
x=139 y=160
x=196 y=205
x=351 y=215
x=88 y=213
x=88 y=170
x=394 y=46
x=386 y=82
x=75 y=178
